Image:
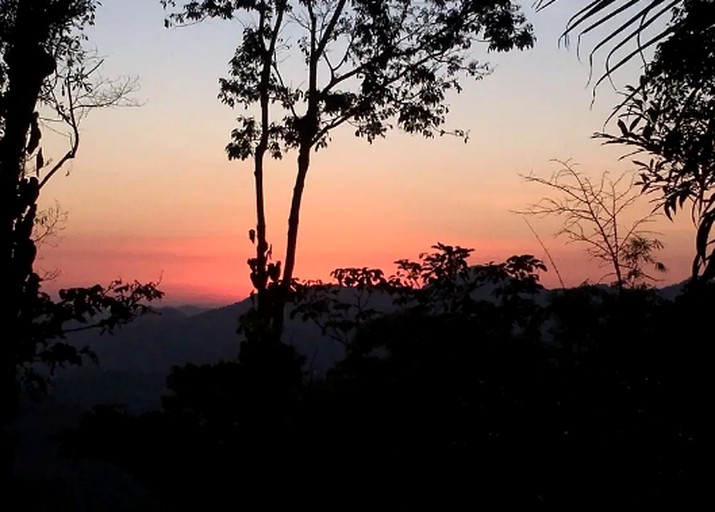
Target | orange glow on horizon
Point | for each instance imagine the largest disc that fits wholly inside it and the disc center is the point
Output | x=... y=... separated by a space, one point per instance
x=213 y=270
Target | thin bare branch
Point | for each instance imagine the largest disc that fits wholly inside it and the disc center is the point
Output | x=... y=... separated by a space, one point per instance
x=592 y=216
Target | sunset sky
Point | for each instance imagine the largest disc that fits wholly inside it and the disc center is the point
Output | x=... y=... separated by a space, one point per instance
x=152 y=195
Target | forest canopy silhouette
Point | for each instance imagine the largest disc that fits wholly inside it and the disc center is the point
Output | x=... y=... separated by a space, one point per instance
x=450 y=384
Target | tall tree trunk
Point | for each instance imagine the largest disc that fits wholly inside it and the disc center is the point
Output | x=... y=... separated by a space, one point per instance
x=28 y=64
x=308 y=130
x=259 y=271
x=264 y=329
x=292 y=241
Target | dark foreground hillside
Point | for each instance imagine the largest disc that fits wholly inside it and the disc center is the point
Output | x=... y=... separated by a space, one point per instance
x=132 y=371
x=481 y=390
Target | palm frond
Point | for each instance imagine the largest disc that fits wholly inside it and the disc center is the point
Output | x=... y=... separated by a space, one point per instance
x=631 y=18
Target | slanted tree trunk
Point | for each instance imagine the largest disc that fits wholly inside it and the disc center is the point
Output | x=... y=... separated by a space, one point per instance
x=292 y=243
x=308 y=130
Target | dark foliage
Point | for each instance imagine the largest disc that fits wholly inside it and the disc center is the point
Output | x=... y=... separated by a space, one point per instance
x=478 y=389
x=41 y=50
x=669 y=122
x=632 y=27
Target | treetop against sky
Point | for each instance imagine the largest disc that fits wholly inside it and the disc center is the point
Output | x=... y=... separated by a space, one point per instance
x=151 y=192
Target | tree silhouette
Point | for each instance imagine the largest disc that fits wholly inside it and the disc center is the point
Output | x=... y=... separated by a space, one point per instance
x=368 y=64
x=43 y=65
x=593 y=214
x=668 y=121
x=478 y=387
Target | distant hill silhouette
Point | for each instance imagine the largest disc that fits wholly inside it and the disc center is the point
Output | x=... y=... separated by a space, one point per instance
x=134 y=362
x=186 y=309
